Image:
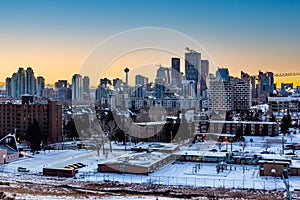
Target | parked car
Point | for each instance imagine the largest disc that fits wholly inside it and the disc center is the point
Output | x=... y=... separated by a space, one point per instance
x=77 y=165
x=23 y=169
x=82 y=165
x=73 y=166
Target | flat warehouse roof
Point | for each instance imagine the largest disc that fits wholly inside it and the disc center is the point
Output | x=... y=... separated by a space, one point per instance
x=142 y=159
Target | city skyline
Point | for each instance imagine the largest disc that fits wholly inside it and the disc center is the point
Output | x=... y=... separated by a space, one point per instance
x=263 y=37
x=278 y=81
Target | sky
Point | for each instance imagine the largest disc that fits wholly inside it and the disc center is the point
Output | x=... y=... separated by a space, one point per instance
x=55 y=37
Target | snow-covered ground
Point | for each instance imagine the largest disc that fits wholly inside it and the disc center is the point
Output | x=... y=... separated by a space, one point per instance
x=38 y=197
x=176 y=173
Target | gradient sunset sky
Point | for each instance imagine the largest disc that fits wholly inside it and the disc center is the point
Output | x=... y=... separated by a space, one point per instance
x=56 y=36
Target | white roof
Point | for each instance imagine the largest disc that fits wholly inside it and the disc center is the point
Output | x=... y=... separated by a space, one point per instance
x=142 y=159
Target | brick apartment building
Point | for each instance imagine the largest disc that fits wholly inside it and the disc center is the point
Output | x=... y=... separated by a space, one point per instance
x=256 y=128
x=16 y=117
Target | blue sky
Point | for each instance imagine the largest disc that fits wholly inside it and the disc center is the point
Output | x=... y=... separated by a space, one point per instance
x=258 y=34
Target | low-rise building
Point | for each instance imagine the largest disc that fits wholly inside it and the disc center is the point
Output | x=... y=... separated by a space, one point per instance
x=136 y=163
x=8 y=154
x=281 y=106
x=257 y=128
x=276 y=168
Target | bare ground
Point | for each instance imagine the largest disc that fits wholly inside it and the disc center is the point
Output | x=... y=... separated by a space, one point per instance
x=47 y=186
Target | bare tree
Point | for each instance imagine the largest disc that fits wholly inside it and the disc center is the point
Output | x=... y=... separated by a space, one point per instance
x=243 y=145
x=112 y=128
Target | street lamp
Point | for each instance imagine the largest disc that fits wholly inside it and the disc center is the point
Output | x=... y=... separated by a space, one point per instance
x=230 y=139
x=4 y=158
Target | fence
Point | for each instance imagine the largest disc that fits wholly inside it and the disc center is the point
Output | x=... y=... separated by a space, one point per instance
x=267 y=184
x=264 y=184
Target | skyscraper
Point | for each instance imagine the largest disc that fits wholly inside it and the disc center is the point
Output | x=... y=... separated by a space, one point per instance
x=193 y=67
x=141 y=83
x=223 y=74
x=63 y=92
x=164 y=74
x=22 y=82
x=86 y=87
x=175 y=73
x=77 y=87
x=203 y=76
x=15 y=87
x=40 y=86
x=8 y=87
x=141 y=80
x=265 y=86
x=159 y=88
x=241 y=94
x=102 y=92
x=220 y=96
x=30 y=82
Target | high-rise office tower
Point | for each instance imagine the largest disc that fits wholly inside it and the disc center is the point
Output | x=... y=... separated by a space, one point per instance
x=141 y=83
x=203 y=77
x=164 y=74
x=40 y=86
x=175 y=73
x=265 y=86
x=220 y=95
x=63 y=92
x=188 y=89
x=159 y=88
x=15 y=87
x=223 y=73
x=8 y=87
x=141 y=80
x=77 y=87
x=102 y=92
x=86 y=87
x=193 y=67
x=241 y=93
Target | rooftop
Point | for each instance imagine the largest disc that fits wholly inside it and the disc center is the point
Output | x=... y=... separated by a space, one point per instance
x=142 y=159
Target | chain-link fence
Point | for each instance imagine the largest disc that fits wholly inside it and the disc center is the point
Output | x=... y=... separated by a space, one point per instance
x=263 y=183
x=267 y=184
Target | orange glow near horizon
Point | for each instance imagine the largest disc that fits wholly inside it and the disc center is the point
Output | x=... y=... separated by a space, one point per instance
x=66 y=61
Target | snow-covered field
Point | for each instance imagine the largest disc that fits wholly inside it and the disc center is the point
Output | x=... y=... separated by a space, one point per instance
x=176 y=173
x=39 y=197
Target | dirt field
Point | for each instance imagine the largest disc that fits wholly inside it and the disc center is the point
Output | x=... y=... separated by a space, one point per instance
x=73 y=189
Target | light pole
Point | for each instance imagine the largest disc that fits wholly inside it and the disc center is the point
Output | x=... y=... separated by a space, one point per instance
x=4 y=158
x=230 y=139
x=282 y=145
